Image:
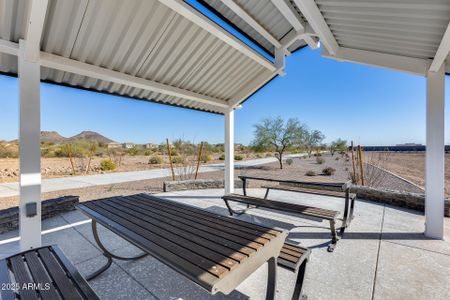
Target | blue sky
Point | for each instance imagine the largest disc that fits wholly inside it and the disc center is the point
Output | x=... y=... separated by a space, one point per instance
x=370 y=105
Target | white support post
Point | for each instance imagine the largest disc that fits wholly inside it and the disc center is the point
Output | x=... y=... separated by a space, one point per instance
x=229 y=151
x=30 y=151
x=435 y=162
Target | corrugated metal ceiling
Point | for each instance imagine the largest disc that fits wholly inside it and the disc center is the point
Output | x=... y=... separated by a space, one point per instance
x=142 y=38
x=263 y=12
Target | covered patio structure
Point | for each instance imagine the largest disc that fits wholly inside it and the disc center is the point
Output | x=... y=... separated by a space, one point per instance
x=168 y=52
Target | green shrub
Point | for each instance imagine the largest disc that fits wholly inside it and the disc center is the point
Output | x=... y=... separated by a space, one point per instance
x=133 y=151
x=328 y=171
x=289 y=161
x=147 y=152
x=310 y=173
x=269 y=154
x=107 y=165
x=155 y=160
x=238 y=157
x=177 y=159
x=222 y=156
x=207 y=158
x=259 y=155
x=320 y=160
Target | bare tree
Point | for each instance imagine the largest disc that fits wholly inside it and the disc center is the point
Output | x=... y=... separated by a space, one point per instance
x=277 y=136
x=337 y=145
x=312 y=140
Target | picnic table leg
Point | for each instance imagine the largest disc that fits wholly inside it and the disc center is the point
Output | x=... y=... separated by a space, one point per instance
x=267 y=193
x=299 y=282
x=244 y=186
x=346 y=219
x=334 y=237
x=107 y=254
x=272 y=279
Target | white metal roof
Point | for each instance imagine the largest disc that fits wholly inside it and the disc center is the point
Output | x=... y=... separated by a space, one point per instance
x=145 y=39
x=166 y=51
x=265 y=13
x=366 y=31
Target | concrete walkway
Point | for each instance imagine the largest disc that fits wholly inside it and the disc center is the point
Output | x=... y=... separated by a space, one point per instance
x=65 y=183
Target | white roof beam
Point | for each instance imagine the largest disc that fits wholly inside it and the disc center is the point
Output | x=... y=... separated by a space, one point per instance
x=205 y=23
x=238 y=10
x=73 y=66
x=389 y=61
x=256 y=84
x=314 y=17
x=38 y=9
x=442 y=52
x=288 y=12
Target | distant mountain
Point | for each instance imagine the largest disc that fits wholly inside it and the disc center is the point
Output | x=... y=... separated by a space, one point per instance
x=90 y=136
x=52 y=137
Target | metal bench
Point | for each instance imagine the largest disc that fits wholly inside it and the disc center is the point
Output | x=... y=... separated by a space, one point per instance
x=311 y=212
x=214 y=251
x=349 y=199
x=332 y=189
x=294 y=258
x=42 y=273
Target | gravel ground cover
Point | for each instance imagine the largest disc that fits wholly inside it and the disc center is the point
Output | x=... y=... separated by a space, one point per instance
x=296 y=170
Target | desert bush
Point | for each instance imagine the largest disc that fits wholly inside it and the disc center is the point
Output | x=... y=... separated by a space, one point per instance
x=289 y=161
x=354 y=177
x=133 y=151
x=107 y=165
x=155 y=160
x=222 y=156
x=259 y=155
x=337 y=158
x=320 y=160
x=177 y=160
x=310 y=173
x=238 y=157
x=328 y=171
x=147 y=152
x=269 y=154
x=207 y=158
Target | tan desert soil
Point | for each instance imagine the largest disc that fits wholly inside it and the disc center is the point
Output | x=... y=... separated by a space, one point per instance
x=295 y=171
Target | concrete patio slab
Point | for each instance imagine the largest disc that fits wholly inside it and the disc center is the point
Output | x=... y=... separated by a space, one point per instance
x=383 y=250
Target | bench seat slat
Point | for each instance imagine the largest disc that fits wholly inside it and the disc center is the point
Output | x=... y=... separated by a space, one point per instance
x=168 y=245
x=40 y=276
x=240 y=223
x=22 y=277
x=205 y=228
x=238 y=248
x=58 y=275
x=261 y=238
x=292 y=262
x=218 y=258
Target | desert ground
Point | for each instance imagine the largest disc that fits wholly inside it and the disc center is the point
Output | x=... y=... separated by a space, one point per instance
x=407 y=165
x=61 y=166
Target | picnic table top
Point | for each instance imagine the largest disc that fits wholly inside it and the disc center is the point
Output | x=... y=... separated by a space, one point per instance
x=326 y=184
x=214 y=251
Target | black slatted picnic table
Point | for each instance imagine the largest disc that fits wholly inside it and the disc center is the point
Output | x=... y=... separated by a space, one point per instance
x=214 y=251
